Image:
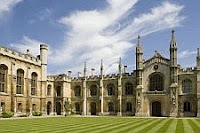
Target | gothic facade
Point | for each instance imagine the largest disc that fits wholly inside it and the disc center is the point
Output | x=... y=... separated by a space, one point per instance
x=158 y=87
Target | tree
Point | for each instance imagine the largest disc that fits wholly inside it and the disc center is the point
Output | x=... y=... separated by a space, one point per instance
x=68 y=108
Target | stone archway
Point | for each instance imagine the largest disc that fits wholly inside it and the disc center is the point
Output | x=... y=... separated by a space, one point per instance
x=156 y=108
x=48 y=108
x=58 y=108
x=93 y=108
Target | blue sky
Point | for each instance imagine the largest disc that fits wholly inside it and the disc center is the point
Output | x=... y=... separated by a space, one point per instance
x=90 y=30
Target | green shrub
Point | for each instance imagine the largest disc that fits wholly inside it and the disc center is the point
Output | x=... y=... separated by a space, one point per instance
x=7 y=114
x=73 y=111
x=37 y=113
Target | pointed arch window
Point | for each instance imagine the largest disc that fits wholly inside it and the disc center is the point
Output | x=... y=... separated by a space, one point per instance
x=77 y=91
x=49 y=90
x=111 y=89
x=33 y=83
x=20 y=81
x=58 y=90
x=156 y=82
x=3 y=75
x=187 y=86
x=93 y=90
x=129 y=89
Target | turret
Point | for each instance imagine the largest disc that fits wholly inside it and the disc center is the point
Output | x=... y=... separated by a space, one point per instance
x=85 y=90
x=139 y=75
x=173 y=77
x=139 y=61
x=198 y=59
x=173 y=51
x=43 y=58
x=85 y=70
x=101 y=69
x=120 y=66
x=173 y=59
x=101 y=87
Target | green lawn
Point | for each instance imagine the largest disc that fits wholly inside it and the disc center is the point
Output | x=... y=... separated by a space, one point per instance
x=100 y=125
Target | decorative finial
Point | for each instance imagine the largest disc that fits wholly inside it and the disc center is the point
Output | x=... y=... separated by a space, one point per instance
x=27 y=51
x=101 y=69
x=120 y=66
x=85 y=70
x=92 y=70
x=139 y=40
x=138 y=37
x=101 y=64
x=84 y=65
x=173 y=31
x=120 y=61
x=173 y=42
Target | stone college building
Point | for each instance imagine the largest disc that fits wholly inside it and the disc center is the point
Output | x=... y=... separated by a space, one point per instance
x=158 y=87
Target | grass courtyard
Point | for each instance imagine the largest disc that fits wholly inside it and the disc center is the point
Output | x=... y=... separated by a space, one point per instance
x=100 y=125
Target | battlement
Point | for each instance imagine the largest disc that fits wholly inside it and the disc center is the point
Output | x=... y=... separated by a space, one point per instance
x=20 y=56
x=188 y=70
x=106 y=77
x=60 y=77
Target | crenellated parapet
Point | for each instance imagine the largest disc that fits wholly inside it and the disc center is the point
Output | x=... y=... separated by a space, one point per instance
x=105 y=77
x=20 y=56
x=57 y=78
x=188 y=70
x=77 y=79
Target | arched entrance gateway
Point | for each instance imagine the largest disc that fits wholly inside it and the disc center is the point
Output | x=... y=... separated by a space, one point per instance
x=156 y=109
x=58 y=108
x=48 y=108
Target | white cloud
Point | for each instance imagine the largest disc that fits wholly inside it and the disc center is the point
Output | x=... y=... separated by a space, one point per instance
x=27 y=43
x=98 y=34
x=7 y=5
x=186 y=53
x=41 y=16
x=107 y=34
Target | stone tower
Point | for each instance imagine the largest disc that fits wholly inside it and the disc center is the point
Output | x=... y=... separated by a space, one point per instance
x=84 y=90
x=198 y=82
x=139 y=75
x=173 y=77
x=120 y=87
x=101 y=86
x=43 y=58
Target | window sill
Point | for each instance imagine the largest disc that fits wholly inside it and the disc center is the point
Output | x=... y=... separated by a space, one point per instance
x=33 y=96
x=155 y=92
x=93 y=96
x=189 y=93
x=77 y=96
x=3 y=94
x=19 y=95
x=128 y=95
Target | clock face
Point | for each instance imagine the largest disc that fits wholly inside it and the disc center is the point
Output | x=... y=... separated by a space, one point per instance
x=155 y=67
